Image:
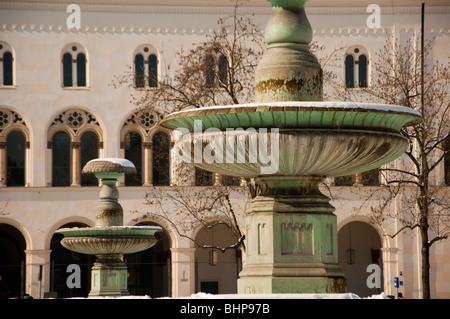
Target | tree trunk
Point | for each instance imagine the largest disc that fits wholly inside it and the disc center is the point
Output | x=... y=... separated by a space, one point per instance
x=425 y=261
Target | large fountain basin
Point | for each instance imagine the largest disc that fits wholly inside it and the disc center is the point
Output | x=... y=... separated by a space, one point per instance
x=109 y=240
x=315 y=138
x=295 y=115
x=300 y=153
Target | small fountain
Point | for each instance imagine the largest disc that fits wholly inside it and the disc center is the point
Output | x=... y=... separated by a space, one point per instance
x=109 y=240
x=291 y=231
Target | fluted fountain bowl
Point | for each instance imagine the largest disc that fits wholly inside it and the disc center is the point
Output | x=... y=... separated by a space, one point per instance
x=109 y=240
x=306 y=138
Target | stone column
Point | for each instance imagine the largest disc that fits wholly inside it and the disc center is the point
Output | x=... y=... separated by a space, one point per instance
x=34 y=259
x=183 y=271
x=76 y=163
x=3 y=164
x=148 y=163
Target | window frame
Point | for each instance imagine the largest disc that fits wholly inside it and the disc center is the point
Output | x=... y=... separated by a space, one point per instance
x=150 y=57
x=11 y=121
x=79 y=74
x=6 y=49
x=360 y=72
x=75 y=122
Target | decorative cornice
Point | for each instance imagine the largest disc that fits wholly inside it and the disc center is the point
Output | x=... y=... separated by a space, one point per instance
x=103 y=29
x=195 y=31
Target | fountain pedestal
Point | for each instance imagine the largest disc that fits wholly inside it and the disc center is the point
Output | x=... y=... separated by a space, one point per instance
x=291 y=239
x=109 y=276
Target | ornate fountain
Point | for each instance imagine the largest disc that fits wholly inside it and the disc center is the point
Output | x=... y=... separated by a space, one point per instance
x=109 y=240
x=291 y=230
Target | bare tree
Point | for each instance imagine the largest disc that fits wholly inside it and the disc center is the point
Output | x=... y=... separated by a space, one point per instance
x=184 y=208
x=405 y=75
x=218 y=71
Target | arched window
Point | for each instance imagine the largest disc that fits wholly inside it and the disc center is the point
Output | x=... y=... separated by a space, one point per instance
x=74 y=138
x=67 y=69
x=447 y=161
x=152 y=71
x=362 y=71
x=6 y=64
x=223 y=69
x=61 y=159
x=161 y=159
x=7 y=68
x=216 y=70
x=81 y=69
x=15 y=144
x=349 y=80
x=74 y=66
x=139 y=140
x=139 y=69
x=89 y=151
x=133 y=153
x=209 y=70
x=146 y=54
x=356 y=68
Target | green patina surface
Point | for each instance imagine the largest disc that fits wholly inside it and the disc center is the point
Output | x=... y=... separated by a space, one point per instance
x=294 y=117
x=110 y=231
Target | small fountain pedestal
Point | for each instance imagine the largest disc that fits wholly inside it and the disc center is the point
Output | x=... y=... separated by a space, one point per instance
x=109 y=240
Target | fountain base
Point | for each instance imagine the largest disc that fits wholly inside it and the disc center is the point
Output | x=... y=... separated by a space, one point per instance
x=291 y=237
x=109 y=277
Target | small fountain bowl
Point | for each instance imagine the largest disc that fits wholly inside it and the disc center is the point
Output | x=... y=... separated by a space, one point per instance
x=109 y=240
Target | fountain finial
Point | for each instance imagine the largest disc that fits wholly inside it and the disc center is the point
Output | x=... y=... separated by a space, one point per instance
x=288 y=71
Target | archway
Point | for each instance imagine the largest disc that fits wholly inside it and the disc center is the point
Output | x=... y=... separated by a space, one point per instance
x=360 y=246
x=149 y=271
x=216 y=272
x=12 y=262
x=60 y=258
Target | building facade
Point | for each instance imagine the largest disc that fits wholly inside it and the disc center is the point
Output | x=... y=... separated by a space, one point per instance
x=59 y=109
